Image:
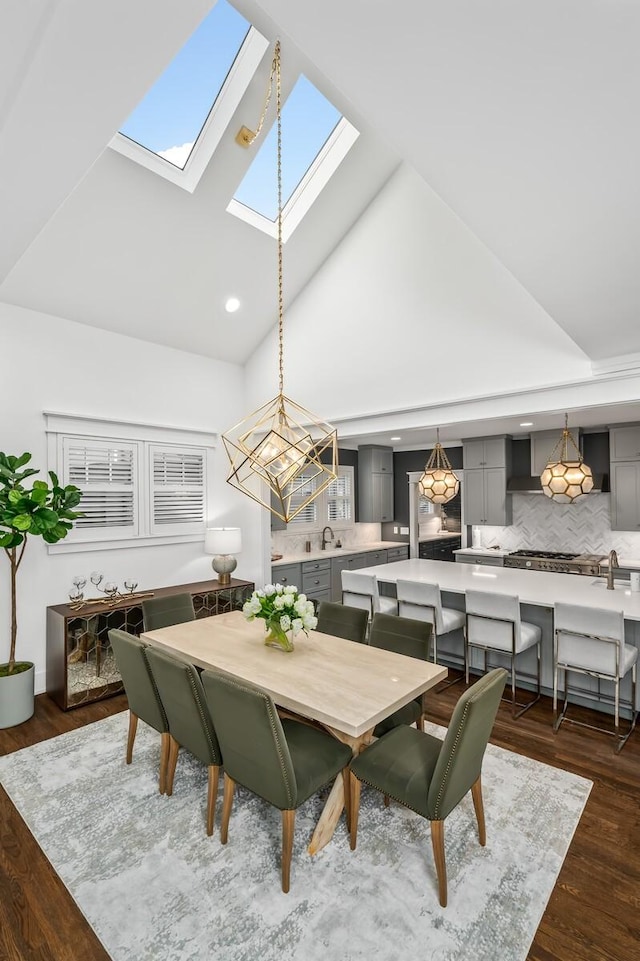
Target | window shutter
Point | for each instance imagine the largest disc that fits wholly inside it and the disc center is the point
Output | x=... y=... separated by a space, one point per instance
x=339 y=497
x=106 y=473
x=425 y=506
x=305 y=486
x=178 y=489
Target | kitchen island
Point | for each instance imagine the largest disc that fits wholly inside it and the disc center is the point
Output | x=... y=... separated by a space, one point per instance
x=538 y=592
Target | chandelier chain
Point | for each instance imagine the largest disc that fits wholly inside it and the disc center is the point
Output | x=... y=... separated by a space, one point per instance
x=276 y=60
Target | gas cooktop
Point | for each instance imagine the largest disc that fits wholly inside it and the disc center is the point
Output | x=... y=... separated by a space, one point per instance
x=560 y=562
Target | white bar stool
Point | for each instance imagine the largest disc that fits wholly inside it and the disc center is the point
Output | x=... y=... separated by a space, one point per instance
x=591 y=641
x=494 y=624
x=423 y=602
x=361 y=590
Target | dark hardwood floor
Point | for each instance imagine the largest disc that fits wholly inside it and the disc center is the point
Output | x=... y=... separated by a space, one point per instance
x=593 y=913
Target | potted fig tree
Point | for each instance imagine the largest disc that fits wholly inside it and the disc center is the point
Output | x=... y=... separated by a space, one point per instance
x=42 y=510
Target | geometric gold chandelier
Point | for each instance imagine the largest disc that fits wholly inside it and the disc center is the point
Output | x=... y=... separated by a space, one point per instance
x=566 y=476
x=438 y=483
x=276 y=452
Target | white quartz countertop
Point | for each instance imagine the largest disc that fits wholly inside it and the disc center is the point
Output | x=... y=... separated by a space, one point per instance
x=439 y=537
x=317 y=555
x=532 y=587
x=483 y=551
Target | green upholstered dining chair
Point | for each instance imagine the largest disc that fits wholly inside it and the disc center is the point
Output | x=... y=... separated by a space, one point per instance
x=283 y=761
x=142 y=694
x=190 y=724
x=431 y=776
x=404 y=635
x=160 y=612
x=341 y=621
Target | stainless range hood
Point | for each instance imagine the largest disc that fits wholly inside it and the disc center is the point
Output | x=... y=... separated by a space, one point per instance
x=532 y=485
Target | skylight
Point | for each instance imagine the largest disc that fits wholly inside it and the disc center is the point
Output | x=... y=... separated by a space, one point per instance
x=179 y=123
x=169 y=120
x=315 y=140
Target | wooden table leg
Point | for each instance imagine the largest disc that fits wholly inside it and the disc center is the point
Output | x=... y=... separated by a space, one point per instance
x=335 y=802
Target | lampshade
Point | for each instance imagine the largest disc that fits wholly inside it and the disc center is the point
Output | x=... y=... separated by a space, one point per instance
x=566 y=477
x=223 y=540
x=439 y=483
x=281 y=455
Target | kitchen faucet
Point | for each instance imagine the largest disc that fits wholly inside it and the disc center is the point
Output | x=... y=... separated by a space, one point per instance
x=327 y=540
x=613 y=562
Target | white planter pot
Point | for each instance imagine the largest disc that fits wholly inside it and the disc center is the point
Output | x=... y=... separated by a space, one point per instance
x=16 y=698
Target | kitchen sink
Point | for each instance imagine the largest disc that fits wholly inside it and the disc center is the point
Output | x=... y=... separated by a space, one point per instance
x=617 y=585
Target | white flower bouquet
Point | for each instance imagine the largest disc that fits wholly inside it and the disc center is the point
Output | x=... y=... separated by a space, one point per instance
x=284 y=610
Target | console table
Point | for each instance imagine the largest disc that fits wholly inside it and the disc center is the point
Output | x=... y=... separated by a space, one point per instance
x=80 y=663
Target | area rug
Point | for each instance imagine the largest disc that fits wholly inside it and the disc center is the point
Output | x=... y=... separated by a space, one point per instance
x=155 y=888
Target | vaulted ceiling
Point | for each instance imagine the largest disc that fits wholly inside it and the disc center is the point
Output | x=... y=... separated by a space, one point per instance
x=521 y=117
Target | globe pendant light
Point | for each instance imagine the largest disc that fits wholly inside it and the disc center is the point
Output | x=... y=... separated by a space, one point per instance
x=566 y=478
x=439 y=483
x=276 y=453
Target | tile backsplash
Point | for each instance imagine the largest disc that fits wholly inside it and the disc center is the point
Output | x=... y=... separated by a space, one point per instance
x=289 y=542
x=541 y=524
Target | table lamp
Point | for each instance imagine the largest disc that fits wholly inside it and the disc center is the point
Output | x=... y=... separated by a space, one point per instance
x=223 y=542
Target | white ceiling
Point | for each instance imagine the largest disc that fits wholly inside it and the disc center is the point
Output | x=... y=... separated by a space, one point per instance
x=128 y=251
x=521 y=116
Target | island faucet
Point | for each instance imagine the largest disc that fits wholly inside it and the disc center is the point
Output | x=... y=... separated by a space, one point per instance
x=326 y=540
x=613 y=562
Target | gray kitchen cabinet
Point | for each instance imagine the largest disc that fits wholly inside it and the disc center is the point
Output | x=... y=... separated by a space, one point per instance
x=542 y=445
x=316 y=579
x=400 y=553
x=352 y=562
x=485 y=560
x=439 y=549
x=486 y=452
x=287 y=574
x=375 y=484
x=484 y=497
x=376 y=557
x=625 y=496
x=624 y=443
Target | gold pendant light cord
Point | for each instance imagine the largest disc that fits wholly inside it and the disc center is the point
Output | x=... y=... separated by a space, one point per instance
x=276 y=61
x=275 y=76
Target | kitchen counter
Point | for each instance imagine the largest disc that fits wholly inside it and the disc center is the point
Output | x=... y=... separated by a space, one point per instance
x=539 y=588
x=317 y=554
x=538 y=591
x=439 y=537
x=483 y=551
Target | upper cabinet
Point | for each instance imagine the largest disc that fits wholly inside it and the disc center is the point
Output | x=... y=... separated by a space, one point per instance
x=487 y=464
x=543 y=443
x=624 y=443
x=485 y=452
x=375 y=483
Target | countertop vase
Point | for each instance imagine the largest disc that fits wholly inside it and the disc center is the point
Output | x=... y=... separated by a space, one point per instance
x=276 y=636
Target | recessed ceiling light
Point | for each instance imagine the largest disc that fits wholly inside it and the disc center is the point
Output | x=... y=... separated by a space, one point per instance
x=231 y=305
x=527 y=423
x=396 y=438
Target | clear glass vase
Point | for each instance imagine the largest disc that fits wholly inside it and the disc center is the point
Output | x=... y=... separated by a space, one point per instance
x=276 y=636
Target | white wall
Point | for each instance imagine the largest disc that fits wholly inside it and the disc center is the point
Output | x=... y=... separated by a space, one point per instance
x=410 y=309
x=57 y=365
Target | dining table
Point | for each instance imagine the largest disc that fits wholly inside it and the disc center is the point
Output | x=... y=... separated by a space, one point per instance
x=344 y=686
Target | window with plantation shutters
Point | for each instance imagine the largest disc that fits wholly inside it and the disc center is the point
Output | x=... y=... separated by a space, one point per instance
x=142 y=484
x=107 y=475
x=178 y=487
x=340 y=497
x=334 y=506
x=308 y=516
x=425 y=506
